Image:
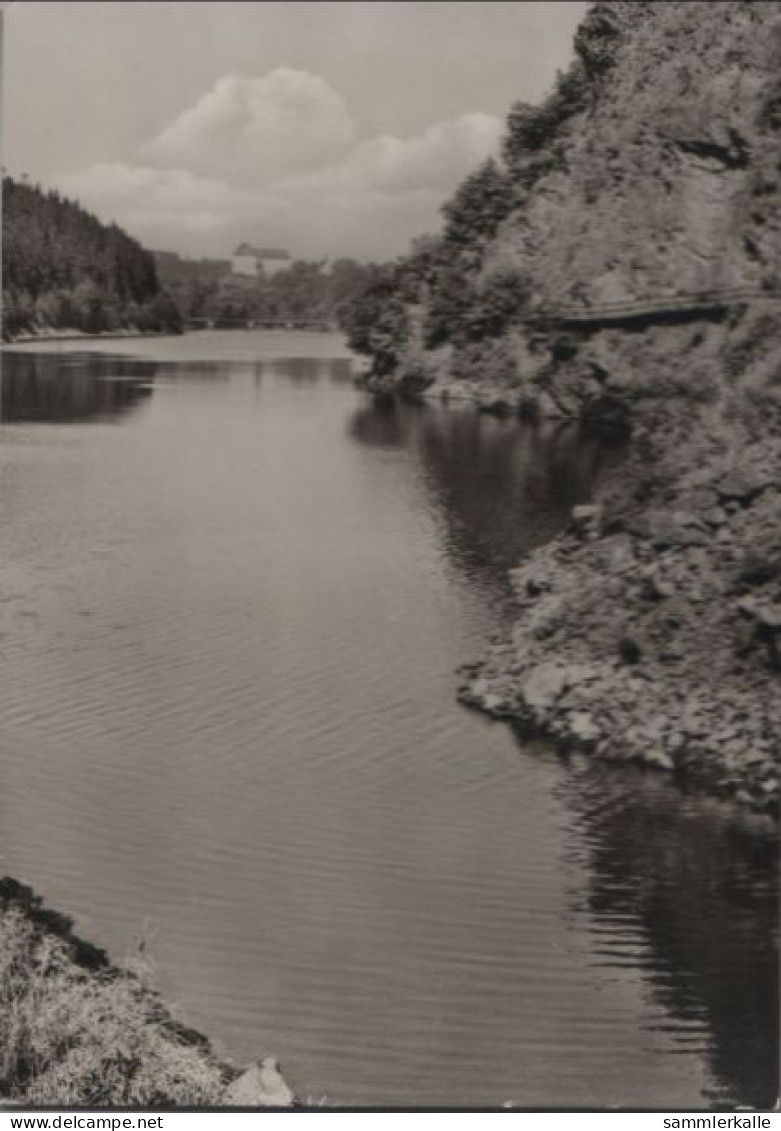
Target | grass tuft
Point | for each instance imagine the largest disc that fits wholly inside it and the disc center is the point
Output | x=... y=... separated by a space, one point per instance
x=76 y=1031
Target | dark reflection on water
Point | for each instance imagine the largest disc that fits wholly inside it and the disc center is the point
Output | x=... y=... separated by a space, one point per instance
x=698 y=888
x=310 y=370
x=40 y=388
x=229 y=632
x=698 y=891
x=501 y=486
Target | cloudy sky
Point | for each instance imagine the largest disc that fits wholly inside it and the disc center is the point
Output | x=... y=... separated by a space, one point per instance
x=329 y=128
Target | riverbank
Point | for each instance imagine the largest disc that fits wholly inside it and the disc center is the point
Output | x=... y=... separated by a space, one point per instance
x=46 y=335
x=80 y=1031
x=197 y=345
x=649 y=631
x=626 y=277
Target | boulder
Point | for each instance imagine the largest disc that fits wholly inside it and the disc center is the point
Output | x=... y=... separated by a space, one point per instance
x=260 y=1085
x=586 y=519
x=715 y=516
x=547 y=682
x=665 y=528
x=657 y=587
x=659 y=759
x=494 y=704
x=766 y=618
x=767 y=615
x=744 y=484
x=583 y=729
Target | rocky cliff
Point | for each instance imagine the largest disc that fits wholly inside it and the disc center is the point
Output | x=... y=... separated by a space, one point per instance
x=627 y=274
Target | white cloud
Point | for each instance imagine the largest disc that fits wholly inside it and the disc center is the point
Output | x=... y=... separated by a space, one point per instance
x=257 y=129
x=388 y=189
x=437 y=158
x=161 y=206
x=275 y=160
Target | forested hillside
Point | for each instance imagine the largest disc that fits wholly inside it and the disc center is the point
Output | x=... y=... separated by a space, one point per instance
x=65 y=270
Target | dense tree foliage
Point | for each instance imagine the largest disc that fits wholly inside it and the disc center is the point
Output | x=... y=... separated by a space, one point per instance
x=64 y=269
x=444 y=278
x=600 y=33
x=310 y=291
x=375 y=320
x=478 y=206
x=446 y=291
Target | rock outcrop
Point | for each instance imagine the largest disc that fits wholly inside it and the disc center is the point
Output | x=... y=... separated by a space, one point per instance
x=642 y=240
x=654 y=637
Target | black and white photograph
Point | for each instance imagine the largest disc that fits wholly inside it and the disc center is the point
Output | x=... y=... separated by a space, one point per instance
x=390 y=557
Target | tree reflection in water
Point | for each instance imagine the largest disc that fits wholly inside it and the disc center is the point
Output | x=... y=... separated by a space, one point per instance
x=502 y=487
x=689 y=888
x=48 y=389
x=311 y=370
x=678 y=890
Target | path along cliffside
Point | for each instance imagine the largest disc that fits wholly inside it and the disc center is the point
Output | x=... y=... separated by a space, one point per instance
x=627 y=275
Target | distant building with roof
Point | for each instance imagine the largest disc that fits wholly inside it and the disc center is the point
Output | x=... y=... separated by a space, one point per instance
x=255 y=261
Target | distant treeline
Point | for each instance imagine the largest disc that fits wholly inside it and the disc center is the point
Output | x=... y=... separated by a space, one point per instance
x=65 y=270
x=311 y=291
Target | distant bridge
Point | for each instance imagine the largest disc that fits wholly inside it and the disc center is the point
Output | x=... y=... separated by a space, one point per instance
x=318 y=324
x=639 y=312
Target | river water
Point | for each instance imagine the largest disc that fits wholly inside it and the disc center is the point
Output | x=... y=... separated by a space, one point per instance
x=233 y=593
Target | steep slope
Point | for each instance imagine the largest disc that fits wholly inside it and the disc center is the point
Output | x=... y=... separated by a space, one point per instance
x=627 y=273
x=63 y=270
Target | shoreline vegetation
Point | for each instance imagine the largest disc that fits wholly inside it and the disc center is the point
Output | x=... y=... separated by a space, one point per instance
x=45 y=334
x=80 y=1031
